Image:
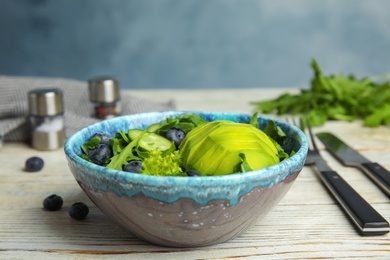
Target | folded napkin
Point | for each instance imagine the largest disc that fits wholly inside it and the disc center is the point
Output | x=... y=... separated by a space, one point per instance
x=14 y=104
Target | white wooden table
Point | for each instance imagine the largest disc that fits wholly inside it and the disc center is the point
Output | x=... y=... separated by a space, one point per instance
x=306 y=224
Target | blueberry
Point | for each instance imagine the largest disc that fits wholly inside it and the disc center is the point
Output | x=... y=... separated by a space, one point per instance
x=100 y=154
x=176 y=135
x=53 y=202
x=104 y=138
x=193 y=173
x=78 y=211
x=134 y=166
x=34 y=164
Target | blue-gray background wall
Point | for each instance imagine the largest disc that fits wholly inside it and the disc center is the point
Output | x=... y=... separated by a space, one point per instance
x=194 y=43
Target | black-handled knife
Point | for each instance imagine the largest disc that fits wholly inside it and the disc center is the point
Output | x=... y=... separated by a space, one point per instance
x=350 y=157
x=366 y=218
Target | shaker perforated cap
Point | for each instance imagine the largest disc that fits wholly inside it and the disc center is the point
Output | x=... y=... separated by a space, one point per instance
x=45 y=102
x=103 y=89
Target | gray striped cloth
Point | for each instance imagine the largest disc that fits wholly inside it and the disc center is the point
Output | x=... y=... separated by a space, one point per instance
x=14 y=104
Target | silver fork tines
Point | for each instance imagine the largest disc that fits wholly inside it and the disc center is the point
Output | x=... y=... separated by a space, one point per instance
x=313 y=155
x=363 y=215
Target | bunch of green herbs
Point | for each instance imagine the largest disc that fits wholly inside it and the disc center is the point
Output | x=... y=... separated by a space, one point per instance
x=335 y=97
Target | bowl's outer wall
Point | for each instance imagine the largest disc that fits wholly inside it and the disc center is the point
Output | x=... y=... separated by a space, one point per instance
x=185 y=223
x=180 y=211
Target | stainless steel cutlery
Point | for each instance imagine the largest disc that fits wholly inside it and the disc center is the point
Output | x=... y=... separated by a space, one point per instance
x=367 y=220
x=350 y=157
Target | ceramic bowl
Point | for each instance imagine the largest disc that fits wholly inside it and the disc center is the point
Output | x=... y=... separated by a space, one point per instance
x=184 y=211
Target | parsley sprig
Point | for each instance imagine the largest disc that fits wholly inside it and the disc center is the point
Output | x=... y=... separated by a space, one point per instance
x=335 y=97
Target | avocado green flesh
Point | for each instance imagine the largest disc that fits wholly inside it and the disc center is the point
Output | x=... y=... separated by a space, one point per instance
x=237 y=131
x=214 y=148
x=211 y=167
x=249 y=145
x=200 y=133
x=227 y=164
x=210 y=160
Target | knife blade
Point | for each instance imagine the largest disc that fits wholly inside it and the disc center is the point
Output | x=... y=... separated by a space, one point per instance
x=350 y=157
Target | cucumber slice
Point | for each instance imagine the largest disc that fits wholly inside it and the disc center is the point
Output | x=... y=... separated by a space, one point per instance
x=153 y=128
x=151 y=141
x=134 y=133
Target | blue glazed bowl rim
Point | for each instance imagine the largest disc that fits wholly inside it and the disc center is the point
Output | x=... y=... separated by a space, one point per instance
x=270 y=172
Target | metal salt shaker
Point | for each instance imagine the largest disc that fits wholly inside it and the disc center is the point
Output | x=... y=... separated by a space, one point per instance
x=46 y=118
x=104 y=94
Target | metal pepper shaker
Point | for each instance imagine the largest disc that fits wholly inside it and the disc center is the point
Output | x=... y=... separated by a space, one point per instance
x=104 y=94
x=46 y=118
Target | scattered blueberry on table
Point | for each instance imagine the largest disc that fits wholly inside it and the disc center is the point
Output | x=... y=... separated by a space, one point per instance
x=34 y=164
x=53 y=202
x=78 y=211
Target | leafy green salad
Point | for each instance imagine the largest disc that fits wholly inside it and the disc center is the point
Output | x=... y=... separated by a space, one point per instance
x=187 y=145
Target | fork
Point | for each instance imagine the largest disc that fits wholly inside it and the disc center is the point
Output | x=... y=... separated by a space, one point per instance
x=367 y=220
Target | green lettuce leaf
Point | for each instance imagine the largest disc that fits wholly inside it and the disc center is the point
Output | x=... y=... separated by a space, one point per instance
x=185 y=122
x=92 y=143
x=242 y=166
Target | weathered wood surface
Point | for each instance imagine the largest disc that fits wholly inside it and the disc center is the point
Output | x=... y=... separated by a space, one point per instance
x=306 y=224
